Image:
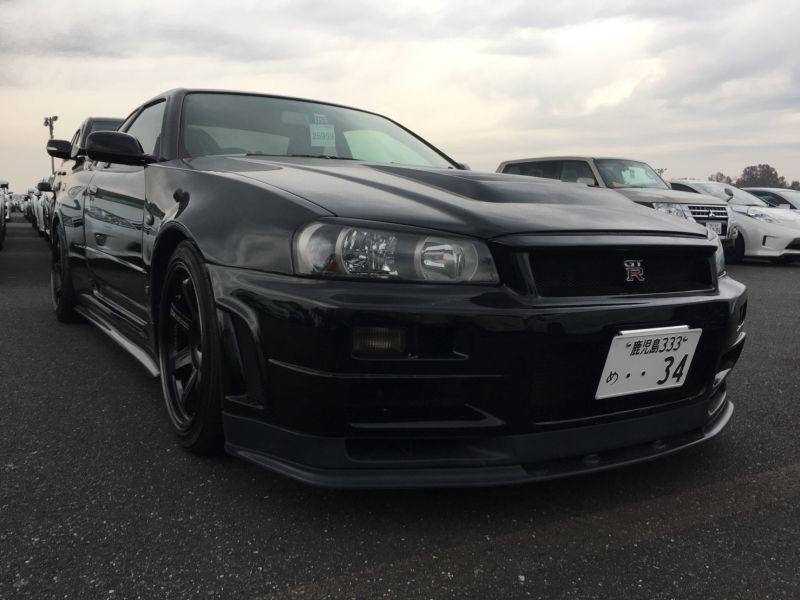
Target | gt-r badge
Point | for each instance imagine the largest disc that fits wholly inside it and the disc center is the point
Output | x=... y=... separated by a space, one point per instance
x=634 y=270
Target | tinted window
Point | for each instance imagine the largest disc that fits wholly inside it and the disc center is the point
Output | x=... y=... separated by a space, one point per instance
x=551 y=169
x=578 y=171
x=110 y=125
x=239 y=124
x=789 y=197
x=147 y=127
x=682 y=188
x=768 y=198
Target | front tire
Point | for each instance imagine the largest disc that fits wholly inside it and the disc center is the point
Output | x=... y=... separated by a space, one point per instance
x=189 y=347
x=62 y=292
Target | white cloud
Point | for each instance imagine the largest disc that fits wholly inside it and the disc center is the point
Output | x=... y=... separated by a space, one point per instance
x=695 y=87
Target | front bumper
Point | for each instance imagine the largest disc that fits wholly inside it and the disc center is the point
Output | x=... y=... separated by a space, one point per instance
x=495 y=388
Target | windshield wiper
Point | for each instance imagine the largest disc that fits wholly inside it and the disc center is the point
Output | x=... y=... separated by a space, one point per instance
x=328 y=156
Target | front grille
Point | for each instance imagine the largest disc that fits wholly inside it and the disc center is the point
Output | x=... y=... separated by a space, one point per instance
x=708 y=212
x=598 y=271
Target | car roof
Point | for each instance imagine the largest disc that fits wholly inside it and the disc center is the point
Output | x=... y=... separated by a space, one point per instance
x=571 y=157
x=180 y=92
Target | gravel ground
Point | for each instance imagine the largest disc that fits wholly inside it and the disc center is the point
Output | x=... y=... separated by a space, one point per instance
x=97 y=500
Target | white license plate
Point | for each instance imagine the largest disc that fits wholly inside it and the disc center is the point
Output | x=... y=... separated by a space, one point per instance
x=715 y=226
x=645 y=360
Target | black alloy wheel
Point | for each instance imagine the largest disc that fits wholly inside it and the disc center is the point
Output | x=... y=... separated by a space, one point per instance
x=189 y=353
x=61 y=290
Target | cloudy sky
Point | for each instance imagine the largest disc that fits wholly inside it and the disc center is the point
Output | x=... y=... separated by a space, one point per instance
x=688 y=85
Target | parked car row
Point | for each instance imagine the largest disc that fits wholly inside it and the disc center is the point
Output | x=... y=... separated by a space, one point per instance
x=5 y=214
x=38 y=207
x=750 y=222
x=324 y=293
x=638 y=182
x=767 y=230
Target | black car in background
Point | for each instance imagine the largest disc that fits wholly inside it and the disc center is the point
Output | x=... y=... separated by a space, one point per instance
x=324 y=293
x=73 y=153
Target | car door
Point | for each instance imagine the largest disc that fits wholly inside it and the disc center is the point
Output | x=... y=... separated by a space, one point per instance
x=113 y=218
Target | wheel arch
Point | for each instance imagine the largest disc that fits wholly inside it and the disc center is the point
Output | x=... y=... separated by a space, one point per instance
x=163 y=249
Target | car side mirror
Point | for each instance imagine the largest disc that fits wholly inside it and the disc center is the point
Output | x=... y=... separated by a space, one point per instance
x=59 y=149
x=44 y=186
x=729 y=192
x=586 y=181
x=116 y=147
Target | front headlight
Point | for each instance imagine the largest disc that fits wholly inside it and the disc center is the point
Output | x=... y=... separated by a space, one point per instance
x=331 y=250
x=670 y=208
x=719 y=254
x=760 y=215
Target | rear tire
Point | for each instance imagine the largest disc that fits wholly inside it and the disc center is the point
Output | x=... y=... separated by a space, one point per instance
x=189 y=353
x=62 y=292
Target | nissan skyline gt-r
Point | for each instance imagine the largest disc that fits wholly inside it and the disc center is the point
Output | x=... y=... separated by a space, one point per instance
x=766 y=231
x=324 y=293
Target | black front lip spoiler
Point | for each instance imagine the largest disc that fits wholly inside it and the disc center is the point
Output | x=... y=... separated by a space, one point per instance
x=488 y=476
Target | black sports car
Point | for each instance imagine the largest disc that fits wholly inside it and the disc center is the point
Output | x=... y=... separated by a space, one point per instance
x=326 y=294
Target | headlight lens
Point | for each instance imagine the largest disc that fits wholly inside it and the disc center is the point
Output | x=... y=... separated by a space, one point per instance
x=331 y=250
x=760 y=215
x=676 y=210
x=719 y=254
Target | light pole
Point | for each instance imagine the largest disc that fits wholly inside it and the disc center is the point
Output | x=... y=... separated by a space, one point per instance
x=48 y=122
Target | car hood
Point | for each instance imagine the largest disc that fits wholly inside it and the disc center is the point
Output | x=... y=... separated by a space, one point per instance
x=485 y=205
x=674 y=196
x=784 y=216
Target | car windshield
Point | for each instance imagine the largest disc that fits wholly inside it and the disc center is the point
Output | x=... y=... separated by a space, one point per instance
x=238 y=124
x=792 y=197
x=720 y=190
x=628 y=174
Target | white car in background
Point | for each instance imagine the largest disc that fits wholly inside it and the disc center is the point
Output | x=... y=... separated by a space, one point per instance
x=764 y=231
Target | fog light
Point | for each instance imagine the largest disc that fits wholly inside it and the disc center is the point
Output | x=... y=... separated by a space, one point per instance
x=379 y=340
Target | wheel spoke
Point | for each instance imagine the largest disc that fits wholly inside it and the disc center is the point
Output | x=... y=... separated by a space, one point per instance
x=189 y=298
x=181 y=358
x=187 y=389
x=180 y=316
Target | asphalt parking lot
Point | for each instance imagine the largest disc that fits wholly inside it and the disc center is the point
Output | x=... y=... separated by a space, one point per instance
x=97 y=500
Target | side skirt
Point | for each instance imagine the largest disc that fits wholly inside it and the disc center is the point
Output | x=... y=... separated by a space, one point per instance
x=103 y=324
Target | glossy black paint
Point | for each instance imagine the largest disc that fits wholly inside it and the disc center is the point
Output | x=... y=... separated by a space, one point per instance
x=59 y=149
x=116 y=147
x=479 y=350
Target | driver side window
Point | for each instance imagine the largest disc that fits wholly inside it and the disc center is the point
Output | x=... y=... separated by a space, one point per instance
x=147 y=128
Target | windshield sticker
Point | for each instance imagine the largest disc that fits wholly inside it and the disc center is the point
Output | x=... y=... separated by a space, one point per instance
x=322 y=132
